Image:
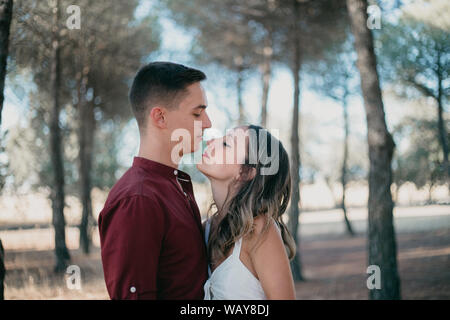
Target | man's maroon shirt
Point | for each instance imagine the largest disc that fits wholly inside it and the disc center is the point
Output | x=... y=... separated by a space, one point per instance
x=151 y=235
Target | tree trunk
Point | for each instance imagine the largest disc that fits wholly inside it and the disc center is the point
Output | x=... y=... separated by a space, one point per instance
x=86 y=141
x=382 y=249
x=443 y=139
x=241 y=119
x=344 y=168
x=441 y=124
x=430 y=193
x=61 y=252
x=6 y=8
x=266 y=75
x=295 y=153
x=2 y=271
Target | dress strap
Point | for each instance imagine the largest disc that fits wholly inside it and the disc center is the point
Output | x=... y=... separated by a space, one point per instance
x=237 y=249
x=207 y=230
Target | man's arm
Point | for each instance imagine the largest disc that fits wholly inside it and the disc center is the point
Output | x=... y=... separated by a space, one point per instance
x=131 y=233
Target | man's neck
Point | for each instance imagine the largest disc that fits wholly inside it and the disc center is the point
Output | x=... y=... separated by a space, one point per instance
x=156 y=151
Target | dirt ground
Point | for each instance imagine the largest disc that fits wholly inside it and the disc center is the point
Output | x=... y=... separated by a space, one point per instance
x=334 y=268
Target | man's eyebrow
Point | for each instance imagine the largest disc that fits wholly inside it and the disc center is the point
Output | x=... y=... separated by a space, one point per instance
x=201 y=107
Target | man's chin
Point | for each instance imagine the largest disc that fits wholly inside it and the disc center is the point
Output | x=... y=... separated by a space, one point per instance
x=196 y=147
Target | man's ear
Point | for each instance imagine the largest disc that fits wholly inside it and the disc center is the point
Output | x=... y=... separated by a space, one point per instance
x=158 y=117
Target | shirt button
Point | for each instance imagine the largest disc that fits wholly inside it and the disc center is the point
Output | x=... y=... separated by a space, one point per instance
x=132 y=289
x=175 y=172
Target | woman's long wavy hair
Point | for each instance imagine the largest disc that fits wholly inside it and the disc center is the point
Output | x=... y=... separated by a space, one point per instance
x=263 y=195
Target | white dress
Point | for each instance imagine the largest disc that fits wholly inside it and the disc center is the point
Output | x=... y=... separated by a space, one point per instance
x=231 y=280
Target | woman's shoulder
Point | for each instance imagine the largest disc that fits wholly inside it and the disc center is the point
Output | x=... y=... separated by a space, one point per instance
x=260 y=222
x=264 y=229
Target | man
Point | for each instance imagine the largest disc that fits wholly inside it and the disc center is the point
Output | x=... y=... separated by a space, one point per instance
x=150 y=228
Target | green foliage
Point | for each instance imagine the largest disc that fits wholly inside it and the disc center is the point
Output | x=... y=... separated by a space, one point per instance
x=98 y=63
x=106 y=165
x=29 y=162
x=334 y=75
x=220 y=35
x=420 y=162
x=415 y=56
x=26 y=149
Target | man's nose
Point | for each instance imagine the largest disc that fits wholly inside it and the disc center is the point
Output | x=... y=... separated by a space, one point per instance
x=206 y=123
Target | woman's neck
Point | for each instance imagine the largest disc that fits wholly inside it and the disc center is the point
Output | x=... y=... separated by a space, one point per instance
x=219 y=192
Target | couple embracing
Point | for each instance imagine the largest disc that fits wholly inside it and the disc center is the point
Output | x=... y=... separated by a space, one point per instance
x=153 y=242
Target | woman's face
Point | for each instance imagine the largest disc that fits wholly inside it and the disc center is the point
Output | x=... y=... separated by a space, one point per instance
x=223 y=157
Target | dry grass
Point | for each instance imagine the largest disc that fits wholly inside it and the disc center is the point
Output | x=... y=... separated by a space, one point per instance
x=30 y=261
x=334 y=267
x=333 y=264
x=30 y=277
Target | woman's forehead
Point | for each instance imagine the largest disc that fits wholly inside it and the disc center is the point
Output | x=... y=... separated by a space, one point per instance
x=239 y=132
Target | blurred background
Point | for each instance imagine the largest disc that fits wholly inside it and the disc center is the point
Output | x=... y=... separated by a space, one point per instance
x=67 y=132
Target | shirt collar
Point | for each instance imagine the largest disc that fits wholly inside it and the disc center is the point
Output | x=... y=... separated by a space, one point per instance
x=162 y=169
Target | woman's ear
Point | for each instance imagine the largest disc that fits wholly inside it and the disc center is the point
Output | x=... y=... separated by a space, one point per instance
x=246 y=175
x=158 y=117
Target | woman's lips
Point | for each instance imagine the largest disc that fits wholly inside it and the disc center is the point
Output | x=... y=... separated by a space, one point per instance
x=206 y=155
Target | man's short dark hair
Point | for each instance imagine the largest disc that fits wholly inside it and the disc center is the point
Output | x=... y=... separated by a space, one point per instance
x=160 y=83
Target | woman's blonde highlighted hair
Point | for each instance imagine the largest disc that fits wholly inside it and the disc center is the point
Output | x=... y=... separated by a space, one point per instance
x=263 y=195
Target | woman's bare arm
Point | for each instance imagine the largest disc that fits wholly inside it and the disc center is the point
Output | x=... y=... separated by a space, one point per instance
x=272 y=264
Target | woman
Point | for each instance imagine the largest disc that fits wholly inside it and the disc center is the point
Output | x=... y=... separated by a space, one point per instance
x=248 y=244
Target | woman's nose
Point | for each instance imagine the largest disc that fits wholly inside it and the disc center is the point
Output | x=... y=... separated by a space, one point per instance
x=209 y=142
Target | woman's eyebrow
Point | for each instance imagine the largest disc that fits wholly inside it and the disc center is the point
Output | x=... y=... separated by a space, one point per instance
x=233 y=138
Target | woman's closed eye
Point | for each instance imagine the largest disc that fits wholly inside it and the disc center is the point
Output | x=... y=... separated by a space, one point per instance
x=225 y=143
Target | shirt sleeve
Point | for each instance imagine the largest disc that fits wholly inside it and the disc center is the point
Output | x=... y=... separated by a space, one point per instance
x=131 y=234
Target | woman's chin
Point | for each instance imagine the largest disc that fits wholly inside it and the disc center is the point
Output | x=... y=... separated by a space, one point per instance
x=201 y=168
x=204 y=170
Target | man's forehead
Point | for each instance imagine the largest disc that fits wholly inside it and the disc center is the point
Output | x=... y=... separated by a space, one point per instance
x=196 y=96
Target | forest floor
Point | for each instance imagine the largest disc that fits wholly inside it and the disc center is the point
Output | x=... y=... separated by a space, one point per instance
x=334 y=264
x=335 y=267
